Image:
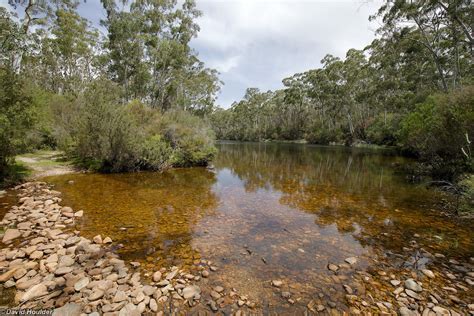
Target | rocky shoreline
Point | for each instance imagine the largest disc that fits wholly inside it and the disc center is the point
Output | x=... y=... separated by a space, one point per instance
x=49 y=265
x=52 y=267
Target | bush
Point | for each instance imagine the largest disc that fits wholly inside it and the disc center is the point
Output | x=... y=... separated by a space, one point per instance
x=106 y=136
x=190 y=137
x=383 y=129
x=323 y=136
x=438 y=131
x=15 y=119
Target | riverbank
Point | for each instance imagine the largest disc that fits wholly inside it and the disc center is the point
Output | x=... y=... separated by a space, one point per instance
x=47 y=264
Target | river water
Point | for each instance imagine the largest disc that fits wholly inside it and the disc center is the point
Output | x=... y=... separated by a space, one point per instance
x=271 y=211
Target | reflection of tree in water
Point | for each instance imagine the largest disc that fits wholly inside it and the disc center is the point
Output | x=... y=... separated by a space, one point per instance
x=152 y=214
x=355 y=190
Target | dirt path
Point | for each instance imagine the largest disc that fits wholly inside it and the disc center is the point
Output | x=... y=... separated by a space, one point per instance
x=46 y=163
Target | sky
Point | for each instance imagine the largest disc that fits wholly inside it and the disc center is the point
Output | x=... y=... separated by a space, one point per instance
x=257 y=43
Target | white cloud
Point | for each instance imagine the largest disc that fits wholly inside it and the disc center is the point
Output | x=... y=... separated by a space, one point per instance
x=256 y=43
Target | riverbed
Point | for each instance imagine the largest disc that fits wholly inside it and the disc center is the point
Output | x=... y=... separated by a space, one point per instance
x=293 y=227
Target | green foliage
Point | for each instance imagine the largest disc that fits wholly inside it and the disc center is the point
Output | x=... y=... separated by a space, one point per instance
x=467 y=195
x=16 y=118
x=439 y=132
x=110 y=137
x=383 y=129
x=190 y=137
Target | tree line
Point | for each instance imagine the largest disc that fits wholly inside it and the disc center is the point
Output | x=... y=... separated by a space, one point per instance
x=412 y=87
x=132 y=98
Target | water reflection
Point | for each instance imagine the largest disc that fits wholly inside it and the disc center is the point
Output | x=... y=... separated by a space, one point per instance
x=270 y=211
x=357 y=190
x=152 y=214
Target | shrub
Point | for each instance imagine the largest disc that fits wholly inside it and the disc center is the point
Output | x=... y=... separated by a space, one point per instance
x=383 y=129
x=15 y=119
x=437 y=131
x=323 y=136
x=191 y=138
x=104 y=135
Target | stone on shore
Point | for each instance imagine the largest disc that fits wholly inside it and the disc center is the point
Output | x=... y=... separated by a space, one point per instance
x=34 y=292
x=10 y=235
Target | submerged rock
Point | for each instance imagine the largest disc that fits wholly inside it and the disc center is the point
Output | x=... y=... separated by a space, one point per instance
x=351 y=260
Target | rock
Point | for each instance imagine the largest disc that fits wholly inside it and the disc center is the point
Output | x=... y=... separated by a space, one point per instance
x=156 y=276
x=65 y=261
x=286 y=295
x=348 y=289
x=153 y=305
x=20 y=273
x=191 y=291
x=79 y=213
x=36 y=255
x=212 y=305
x=440 y=311
x=333 y=267
x=8 y=275
x=140 y=297
x=412 y=285
x=70 y=309
x=120 y=296
x=97 y=239
x=277 y=283
x=205 y=273
x=405 y=311
x=149 y=290
x=34 y=292
x=129 y=310
x=96 y=294
x=172 y=274
x=351 y=260
x=10 y=234
x=63 y=270
x=219 y=289
x=395 y=282
x=412 y=294
x=107 y=240
x=82 y=283
x=428 y=273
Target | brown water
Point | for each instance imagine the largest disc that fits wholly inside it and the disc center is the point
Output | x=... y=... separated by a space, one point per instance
x=271 y=211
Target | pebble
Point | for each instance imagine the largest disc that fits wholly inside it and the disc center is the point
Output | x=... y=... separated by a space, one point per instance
x=333 y=267
x=96 y=294
x=412 y=285
x=157 y=276
x=351 y=260
x=10 y=234
x=191 y=291
x=82 y=283
x=428 y=273
x=412 y=294
x=395 y=282
x=277 y=283
x=34 y=292
x=97 y=239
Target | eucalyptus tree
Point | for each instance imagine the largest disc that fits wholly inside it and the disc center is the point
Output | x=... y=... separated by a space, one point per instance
x=443 y=28
x=148 y=44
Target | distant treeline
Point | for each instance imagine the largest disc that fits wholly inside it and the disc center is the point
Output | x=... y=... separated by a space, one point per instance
x=412 y=87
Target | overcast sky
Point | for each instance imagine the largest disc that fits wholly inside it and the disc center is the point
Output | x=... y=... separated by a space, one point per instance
x=257 y=43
